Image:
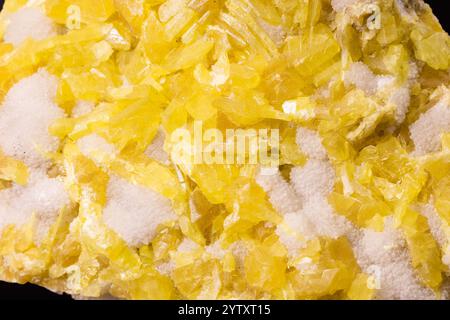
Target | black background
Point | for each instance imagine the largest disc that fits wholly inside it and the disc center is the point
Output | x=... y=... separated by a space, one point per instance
x=28 y=291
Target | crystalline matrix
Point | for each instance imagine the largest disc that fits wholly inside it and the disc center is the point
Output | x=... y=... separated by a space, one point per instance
x=95 y=203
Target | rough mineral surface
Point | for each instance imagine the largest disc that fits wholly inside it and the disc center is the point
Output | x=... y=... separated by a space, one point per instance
x=93 y=203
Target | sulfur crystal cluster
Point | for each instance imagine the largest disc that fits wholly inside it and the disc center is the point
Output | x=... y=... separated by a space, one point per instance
x=93 y=203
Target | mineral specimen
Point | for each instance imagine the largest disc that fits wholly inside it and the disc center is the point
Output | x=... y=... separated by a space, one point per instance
x=349 y=98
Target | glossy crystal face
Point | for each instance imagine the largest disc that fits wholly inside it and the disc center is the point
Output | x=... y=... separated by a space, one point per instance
x=231 y=149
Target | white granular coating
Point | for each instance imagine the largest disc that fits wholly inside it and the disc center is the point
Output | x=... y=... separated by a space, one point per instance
x=326 y=221
x=82 y=108
x=310 y=143
x=379 y=245
x=135 y=212
x=294 y=231
x=361 y=77
x=306 y=211
x=281 y=194
x=295 y=227
x=94 y=143
x=401 y=99
x=399 y=96
x=399 y=281
x=315 y=178
x=42 y=196
x=27 y=23
x=427 y=130
x=25 y=116
x=156 y=149
x=385 y=256
x=385 y=82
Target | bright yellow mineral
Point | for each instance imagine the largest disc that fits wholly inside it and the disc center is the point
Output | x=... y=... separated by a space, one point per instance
x=232 y=149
